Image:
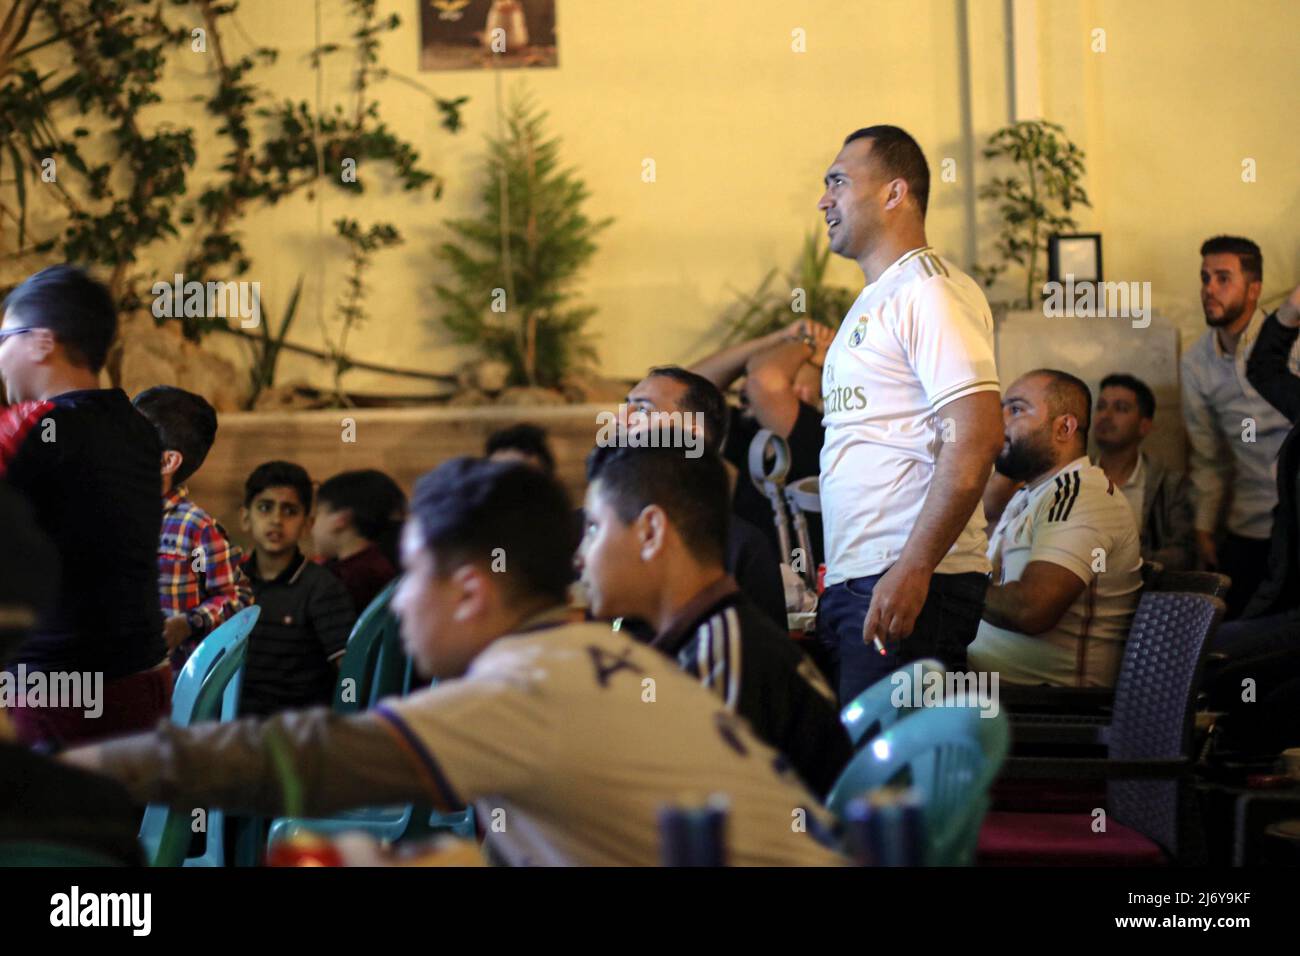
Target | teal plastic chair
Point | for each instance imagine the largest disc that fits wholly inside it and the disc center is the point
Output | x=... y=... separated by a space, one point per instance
x=374 y=667
x=873 y=711
x=950 y=756
x=206 y=689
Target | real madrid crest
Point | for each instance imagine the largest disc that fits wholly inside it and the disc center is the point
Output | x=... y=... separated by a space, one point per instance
x=858 y=334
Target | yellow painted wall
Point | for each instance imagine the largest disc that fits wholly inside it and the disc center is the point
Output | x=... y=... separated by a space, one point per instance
x=1185 y=91
x=741 y=128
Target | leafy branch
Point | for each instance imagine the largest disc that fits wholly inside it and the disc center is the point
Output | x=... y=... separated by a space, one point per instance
x=1035 y=202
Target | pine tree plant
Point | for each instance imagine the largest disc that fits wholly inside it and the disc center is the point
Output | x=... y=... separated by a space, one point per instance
x=514 y=266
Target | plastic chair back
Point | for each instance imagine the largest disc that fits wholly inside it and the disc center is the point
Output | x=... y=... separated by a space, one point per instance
x=354 y=689
x=873 y=711
x=1193 y=582
x=950 y=756
x=206 y=689
x=1154 y=710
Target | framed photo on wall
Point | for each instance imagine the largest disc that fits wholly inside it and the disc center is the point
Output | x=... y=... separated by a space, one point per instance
x=1076 y=254
x=472 y=34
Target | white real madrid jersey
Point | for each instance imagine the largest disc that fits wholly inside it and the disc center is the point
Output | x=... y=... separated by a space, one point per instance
x=917 y=338
x=1076 y=519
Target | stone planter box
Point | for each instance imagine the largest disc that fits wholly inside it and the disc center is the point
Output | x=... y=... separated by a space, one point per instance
x=404 y=442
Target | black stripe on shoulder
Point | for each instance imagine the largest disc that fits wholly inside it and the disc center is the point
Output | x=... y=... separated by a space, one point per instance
x=1076 y=484
x=1057 y=496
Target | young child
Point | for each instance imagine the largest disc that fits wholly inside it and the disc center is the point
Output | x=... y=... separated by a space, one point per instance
x=307 y=614
x=358 y=523
x=199 y=578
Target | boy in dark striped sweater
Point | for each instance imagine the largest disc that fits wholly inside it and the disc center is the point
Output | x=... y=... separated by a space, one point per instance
x=293 y=652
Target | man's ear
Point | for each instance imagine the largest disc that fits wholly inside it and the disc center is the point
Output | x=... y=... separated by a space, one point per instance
x=171 y=462
x=1144 y=427
x=41 y=343
x=245 y=519
x=473 y=592
x=897 y=193
x=651 y=530
x=1067 y=426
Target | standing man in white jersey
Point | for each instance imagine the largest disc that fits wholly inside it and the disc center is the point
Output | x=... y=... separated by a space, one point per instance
x=913 y=424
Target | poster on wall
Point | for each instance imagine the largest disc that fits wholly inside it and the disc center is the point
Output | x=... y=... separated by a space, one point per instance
x=472 y=34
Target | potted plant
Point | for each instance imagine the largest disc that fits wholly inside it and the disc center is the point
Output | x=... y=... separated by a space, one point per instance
x=1034 y=200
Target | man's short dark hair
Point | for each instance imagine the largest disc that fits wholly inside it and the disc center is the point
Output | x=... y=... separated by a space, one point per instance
x=1146 y=399
x=186 y=423
x=466 y=508
x=78 y=309
x=702 y=397
x=899 y=157
x=1068 y=395
x=526 y=438
x=1247 y=253
x=279 y=474
x=693 y=492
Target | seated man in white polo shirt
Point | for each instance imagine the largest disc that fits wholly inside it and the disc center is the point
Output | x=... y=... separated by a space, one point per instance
x=1067 y=567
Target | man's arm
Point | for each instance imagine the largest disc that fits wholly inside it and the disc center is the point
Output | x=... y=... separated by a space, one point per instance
x=331 y=615
x=337 y=761
x=961 y=473
x=726 y=365
x=1178 y=550
x=226 y=588
x=1033 y=604
x=1267 y=370
x=770 y=374
x=1208 y=465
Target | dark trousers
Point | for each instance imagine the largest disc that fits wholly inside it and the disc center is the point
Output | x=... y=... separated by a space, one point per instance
x=944 y=629
x=1245 y=560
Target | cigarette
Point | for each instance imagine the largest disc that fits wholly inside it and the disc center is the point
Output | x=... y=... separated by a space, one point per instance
x=880 y=648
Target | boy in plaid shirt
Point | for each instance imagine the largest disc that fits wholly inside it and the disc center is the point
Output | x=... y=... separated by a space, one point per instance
x=199 y=576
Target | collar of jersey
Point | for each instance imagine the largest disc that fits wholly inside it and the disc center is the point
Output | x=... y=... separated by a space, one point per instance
x=905 y=257
x=542 y=621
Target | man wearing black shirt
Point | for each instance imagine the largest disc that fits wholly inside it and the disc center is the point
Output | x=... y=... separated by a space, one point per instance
x=1264 y=644
x=750 y=559
x=653 y=551
x=88 y=463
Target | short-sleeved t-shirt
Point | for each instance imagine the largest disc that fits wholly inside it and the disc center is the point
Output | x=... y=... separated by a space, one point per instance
x=916 y=339
x=1079 y=520
x=306 y=618
x=570 y=739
